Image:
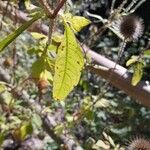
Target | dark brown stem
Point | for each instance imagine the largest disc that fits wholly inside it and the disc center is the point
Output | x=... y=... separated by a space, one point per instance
x=48 y=10
x=58 y=7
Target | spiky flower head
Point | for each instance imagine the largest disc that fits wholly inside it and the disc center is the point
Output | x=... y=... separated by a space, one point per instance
x=131 y=27
x=139 y=144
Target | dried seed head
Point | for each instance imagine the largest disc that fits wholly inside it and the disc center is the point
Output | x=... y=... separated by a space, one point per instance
x=131 y=27
x=139 y=144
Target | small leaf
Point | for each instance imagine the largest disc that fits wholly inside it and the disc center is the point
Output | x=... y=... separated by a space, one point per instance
x=21 y=132
x=37 y=120
x=5 y=42
x=79 y=22
x=68 y=66
x=41 y=68
x=25 y=130
x=138 y=72
x=132 y=60
x=59 y=129
x=38 y=36
x=2 y=87
x=76 y=22
x=90 y=115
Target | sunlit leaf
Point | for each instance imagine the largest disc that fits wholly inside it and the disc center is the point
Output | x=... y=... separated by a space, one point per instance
x=77 y=22
x=2 y=87
x=138 y=72
x=132 y=60
x=11 y=37
x=25 y=130
x=68 y=66
x=38 y=35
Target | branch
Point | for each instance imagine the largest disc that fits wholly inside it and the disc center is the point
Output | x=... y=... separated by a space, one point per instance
x=58 y=7
x=46 y=7
x=120 y=78
x=50 y=13
x=141 y=92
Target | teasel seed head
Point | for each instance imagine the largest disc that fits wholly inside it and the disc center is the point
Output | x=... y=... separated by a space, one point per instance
x=139 y=144
x=131 y=27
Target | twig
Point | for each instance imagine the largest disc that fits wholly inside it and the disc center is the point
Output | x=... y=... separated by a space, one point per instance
x=46 y=7
x=130 y=5
x=50 y=32
x=48 y=10
x=137 y=6
x=58 y=7
x=112 y=5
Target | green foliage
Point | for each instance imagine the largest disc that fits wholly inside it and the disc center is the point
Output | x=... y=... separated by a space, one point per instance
x=68 y=66
x=2 y=87
x=41 y=68
x=132 y=60
x=112 y=119
x=23 y=131
x=6 y=41
x=76 y=22
x=137 y=64
x=138 y=72
x=59 y=129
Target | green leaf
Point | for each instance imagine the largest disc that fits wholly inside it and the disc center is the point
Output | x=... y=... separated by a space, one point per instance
x=59 y=129
x=5 y=42
x=138 y=72
x=2 y=87
x=25 y=130
x=68 y=66
x=77 y=22
x=90 y=115
x=132 y=60
x=41 y=69
x=147 y=52
x=38 y=36
x=36 y=120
